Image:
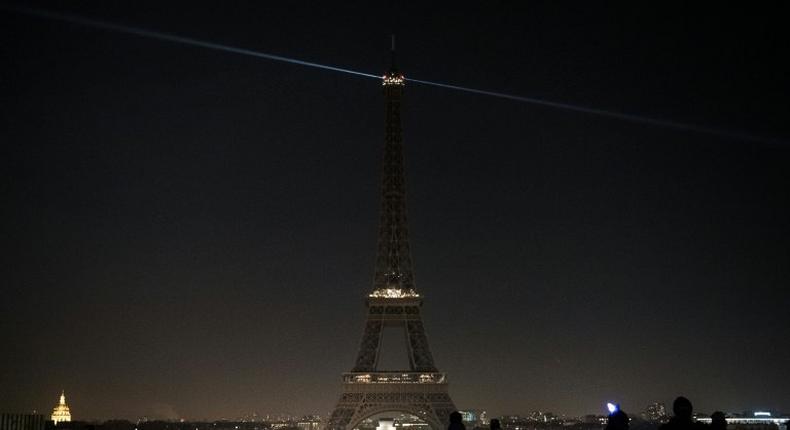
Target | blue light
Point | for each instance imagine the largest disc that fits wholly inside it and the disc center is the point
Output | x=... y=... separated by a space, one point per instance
x=612 y=407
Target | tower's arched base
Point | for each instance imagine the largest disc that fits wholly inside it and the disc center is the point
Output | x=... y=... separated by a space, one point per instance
x=428 y=401
x=393 y=420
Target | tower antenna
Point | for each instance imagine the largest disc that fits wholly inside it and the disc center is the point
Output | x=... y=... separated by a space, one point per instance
x=393 y=66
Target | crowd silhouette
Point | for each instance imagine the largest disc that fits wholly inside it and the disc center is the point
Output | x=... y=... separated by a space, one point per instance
x=682 y=420
x=718 y=421
x=618 y=419
x=456 y=421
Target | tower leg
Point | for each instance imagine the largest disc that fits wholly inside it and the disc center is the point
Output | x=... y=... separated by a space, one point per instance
x=369 y=349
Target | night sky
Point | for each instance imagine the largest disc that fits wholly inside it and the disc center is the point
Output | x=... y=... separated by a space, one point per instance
x=189 y=233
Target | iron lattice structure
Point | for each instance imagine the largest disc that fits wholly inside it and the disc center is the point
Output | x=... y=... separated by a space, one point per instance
x=420 y=390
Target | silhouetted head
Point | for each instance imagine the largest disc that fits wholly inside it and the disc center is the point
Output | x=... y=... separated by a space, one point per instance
x=682 y=408
x=456 y=418
x=494 y=425
x=618 y=420
x=718 y=421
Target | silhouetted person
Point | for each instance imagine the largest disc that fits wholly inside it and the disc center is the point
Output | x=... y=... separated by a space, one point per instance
x=682 y=419
x=618 y=420
x=456 y=421
x=494 y=425
x=718 y=421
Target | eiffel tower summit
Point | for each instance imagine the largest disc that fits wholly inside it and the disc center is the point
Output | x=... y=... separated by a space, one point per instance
x=394 y=303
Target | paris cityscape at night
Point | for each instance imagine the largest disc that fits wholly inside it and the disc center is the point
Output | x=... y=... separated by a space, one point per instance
x=353 y=216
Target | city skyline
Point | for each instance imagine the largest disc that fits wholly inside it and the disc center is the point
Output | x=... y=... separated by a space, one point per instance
x=654 y=411
x=193 y=232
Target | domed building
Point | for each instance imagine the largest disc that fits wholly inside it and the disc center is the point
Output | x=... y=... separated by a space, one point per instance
x=61 y=412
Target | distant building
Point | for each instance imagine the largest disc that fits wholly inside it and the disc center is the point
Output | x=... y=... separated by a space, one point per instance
x=22 y=422
x=595 y=419
x=543 y=417
x=61 y=412
x=754 y=421
x=74 y=425
x=309 y=423
x=656 y=411
x=473 y=417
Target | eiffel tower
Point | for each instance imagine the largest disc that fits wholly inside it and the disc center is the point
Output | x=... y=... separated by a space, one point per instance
x=369 y=390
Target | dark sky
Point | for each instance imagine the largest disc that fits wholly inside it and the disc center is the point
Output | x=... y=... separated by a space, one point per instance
x=191 y=233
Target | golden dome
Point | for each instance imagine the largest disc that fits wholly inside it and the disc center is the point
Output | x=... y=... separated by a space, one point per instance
x=61 y=411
